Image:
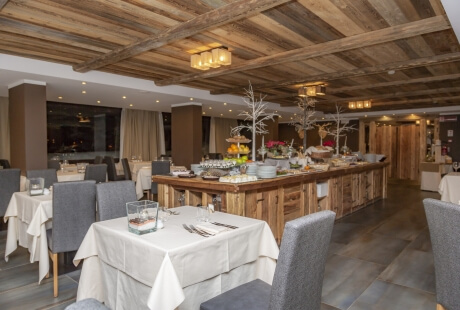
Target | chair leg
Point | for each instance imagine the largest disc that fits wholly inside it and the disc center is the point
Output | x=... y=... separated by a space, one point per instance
x=54 y=259
x=440 y=307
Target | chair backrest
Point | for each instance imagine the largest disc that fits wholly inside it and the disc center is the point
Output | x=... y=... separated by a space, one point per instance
x=98 y=160
x=97 y=172
x=159 y=167
x=9 y=183
x=74 y=210
x=111 y=170
x=298 y=279
x=49 y=175
x=112 y=198
x=54 y=164
x=443 y=222
x=5 y=163
x=126 y=169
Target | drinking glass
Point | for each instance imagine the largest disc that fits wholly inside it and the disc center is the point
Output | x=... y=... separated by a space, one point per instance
x=455 y=165
x=164 y=214
x=202 y=214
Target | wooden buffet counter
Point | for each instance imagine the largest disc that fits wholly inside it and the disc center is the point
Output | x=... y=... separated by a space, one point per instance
x=278 y=200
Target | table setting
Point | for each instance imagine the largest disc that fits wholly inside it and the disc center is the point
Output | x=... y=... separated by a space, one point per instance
x=195 y=256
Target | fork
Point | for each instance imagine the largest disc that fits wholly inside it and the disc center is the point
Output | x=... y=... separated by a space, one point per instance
x=193 y=230
x=187 y=228
x=225 y=225
x=199 y=231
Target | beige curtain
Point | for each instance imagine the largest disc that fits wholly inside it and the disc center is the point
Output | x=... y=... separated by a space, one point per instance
x=222 y=131
x=4 y=129
x=140 y=132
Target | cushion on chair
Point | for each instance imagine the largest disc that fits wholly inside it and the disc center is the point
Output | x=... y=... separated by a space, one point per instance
x=252 y=295
x=87 y=304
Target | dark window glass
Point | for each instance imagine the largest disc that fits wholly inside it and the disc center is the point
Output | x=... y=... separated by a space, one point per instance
x=78 y=131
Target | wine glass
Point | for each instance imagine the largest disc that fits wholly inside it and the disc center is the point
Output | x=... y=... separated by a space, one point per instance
x=455 y=165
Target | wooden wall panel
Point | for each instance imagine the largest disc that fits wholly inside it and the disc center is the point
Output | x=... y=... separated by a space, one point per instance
x=386 y=143
x=408 y=152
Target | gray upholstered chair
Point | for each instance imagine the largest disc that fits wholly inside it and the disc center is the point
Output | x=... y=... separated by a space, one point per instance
x=74 y=210
x=298 y=279
x=97 y=173
x=126 y=169
x=159 y=167
x=98 y=160
x=443 y=222
x=87 y=304
x=49 y=175
x=112 y=170
x=54 y=164
x=5 y=163
x=9 y=183
x=112 y=198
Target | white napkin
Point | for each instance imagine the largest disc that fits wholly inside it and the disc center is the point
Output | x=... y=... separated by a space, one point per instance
x=211 y=228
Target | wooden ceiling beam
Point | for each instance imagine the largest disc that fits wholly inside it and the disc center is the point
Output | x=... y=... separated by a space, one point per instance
x=395 y=95
x=428 y=25
x=212 y=19
x=331 y=91
x=3 y=3
x=399 y=65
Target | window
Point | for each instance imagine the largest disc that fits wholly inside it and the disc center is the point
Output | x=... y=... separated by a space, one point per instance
x=77 y=132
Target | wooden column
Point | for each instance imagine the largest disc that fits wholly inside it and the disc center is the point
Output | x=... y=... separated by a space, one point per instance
x=422 y=151
x=372 y=137
x=436 y=130
x=186 y=134
x=362 y=137
x=28 y=139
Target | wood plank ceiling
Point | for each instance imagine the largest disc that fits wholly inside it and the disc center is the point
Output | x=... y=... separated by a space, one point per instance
x=277 y=45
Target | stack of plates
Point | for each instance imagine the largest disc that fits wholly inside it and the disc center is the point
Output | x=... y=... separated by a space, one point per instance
x=266 y=172
x=252 y=169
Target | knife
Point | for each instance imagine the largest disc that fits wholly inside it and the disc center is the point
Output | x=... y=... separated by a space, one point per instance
x=225 y=225
x=200 y=232
x=187 y=228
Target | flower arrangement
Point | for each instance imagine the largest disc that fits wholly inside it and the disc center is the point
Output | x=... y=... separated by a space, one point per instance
x=275 y=147
x=329 y=143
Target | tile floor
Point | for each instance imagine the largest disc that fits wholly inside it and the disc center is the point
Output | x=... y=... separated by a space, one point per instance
x=379 y=258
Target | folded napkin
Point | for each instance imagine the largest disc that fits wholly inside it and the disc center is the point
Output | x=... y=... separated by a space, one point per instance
x=211 y=228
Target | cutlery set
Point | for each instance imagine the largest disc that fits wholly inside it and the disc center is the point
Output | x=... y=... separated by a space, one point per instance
x=192 y=229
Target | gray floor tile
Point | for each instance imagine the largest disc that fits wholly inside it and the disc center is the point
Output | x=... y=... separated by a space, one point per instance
x=19 y=257
x=347 y=278
x=19 y=276
x=36 y=296
x=74 y=275
x=383 y=295
x=344 y=233
x=402 y=227
x=374 y=248
x=327 y=307
x=413 y=269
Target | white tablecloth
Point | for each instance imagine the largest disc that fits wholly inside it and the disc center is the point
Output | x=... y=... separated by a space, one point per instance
x=449 y=188
x=143 y=181
x=28 y=218
x=134 y=167
x=61 y=175
x=171 y=267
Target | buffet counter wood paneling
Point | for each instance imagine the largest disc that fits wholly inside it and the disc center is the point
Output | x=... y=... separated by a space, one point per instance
x=284 y=198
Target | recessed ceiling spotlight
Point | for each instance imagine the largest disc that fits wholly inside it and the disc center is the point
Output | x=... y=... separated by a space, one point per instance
x=204 y=112
x=221 y=114
x=229 y=110
x=99 y=101
x=391 y=72
x=60 y=97
x=393 y=114
x=365 y=115
x=225 y=103
x=124 y=97
x=323 y=117
x=83 y=83
x=130 y=104
x=157 y=101
x=191 y=99
x=83 y=91
x=210 y=108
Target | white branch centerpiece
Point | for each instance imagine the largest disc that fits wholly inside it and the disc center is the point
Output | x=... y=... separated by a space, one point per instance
x=305 y=120
x=340 y=129
x=257 y=116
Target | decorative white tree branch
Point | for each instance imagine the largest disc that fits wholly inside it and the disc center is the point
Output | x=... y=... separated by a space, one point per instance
x=256 y=115
x=340 y=129
x=305 y=120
